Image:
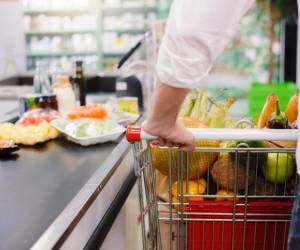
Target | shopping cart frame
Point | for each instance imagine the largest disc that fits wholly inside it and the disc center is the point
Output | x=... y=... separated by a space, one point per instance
x=150 y=205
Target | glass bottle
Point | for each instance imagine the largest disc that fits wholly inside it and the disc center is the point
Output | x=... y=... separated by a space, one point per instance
x=79 y=83
x=41 y=82
x=64 y=94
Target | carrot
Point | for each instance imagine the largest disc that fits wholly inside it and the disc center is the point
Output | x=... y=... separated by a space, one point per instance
x=292 y=109
x=268 y=109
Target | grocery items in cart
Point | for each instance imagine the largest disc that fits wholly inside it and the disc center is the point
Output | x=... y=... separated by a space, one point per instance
x=233 y=205
x=235 y=191
x=199 y=105
x=89 y=131
x=272 y=117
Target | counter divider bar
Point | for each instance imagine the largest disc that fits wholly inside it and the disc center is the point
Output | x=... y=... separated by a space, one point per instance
x=103 y=228
x=92 y=197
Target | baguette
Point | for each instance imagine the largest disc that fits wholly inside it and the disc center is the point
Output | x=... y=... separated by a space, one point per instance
x=292 y=109
x=268 y=109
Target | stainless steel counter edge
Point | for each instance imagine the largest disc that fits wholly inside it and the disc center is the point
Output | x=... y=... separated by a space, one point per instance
x=63 y=225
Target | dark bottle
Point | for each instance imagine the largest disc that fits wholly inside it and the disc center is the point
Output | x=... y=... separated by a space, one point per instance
x=79 y=83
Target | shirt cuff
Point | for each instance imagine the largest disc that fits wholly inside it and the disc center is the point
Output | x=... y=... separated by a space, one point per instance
x=181 y=72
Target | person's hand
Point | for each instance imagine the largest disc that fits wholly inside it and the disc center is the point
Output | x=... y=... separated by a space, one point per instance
x=176 y=135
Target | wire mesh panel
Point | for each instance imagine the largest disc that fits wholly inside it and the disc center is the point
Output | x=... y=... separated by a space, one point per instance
x=233 y=197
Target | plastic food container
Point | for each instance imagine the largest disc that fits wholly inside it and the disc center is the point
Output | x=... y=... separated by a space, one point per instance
x=113 y=135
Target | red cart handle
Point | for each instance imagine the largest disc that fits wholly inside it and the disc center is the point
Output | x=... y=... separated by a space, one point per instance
x=136 y=134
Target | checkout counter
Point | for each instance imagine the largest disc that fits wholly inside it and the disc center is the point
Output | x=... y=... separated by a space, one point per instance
x=59 y=195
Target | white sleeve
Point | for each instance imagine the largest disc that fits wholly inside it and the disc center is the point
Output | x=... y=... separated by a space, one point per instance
x=197 y=31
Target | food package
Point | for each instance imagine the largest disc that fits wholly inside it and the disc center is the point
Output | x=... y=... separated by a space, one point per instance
x=93 y=111
x=28 y=135
x=36 y=116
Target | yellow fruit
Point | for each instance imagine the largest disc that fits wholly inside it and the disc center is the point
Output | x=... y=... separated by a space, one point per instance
x=197 y=163
x=192 y=188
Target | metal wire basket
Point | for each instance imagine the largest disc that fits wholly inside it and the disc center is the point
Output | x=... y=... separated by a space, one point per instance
x=216 y=198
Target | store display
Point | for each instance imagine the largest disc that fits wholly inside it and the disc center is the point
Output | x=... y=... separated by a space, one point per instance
x=79 y=83
x=89 y=131
x=64 y=94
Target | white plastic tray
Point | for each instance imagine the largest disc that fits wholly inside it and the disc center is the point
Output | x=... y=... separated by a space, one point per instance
x=60 y=125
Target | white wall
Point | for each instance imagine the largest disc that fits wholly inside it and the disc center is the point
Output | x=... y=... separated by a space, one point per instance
x=12 y=41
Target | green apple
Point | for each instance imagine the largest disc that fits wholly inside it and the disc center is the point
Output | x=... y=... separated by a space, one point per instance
x=279 y=167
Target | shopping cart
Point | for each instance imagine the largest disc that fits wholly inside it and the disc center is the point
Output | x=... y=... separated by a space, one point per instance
x=241 y=200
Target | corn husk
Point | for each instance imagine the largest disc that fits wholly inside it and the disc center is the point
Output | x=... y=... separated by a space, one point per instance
x=188 y=104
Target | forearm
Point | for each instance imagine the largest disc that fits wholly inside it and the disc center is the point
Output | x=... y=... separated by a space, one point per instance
x=165 y=108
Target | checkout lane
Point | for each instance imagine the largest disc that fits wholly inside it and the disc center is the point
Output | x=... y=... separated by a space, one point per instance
x=58 y=189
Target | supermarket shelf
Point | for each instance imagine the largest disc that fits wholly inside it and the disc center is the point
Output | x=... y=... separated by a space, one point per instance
x=128 y=9
x=60 y=53
x=129 y=31
x=113 y=55
x=57 y=32
x=57 y=11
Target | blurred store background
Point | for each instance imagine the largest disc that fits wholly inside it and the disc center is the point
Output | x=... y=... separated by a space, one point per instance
x=100 y=32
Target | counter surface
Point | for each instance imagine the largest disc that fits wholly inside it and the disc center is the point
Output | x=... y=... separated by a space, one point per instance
x=38 y=183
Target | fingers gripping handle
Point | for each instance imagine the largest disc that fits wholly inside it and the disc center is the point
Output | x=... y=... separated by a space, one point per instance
x=135 y=134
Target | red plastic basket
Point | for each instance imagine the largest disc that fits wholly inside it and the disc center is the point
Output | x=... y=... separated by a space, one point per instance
x=259 y=225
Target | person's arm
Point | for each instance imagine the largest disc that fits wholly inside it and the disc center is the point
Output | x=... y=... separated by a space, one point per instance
x=196 y=33
x=163 y=115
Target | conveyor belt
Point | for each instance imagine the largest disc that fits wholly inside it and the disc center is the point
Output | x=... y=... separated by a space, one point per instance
x=38 y=183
